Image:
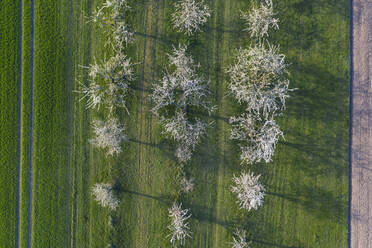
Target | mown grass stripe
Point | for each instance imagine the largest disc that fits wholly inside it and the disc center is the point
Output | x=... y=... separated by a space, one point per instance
x=32 y=111
x=51 y=187
x=9 y=121
x=26 y=123
x=19 y=125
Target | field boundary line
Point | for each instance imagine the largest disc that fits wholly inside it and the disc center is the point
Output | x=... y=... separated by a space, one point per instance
x=20 y=47
x=32 y=123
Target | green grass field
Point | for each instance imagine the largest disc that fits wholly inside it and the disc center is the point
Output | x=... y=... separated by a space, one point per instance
x=26 y=120
x=52 y=122
x=306 y=204
x=9 y=118
x=307 y=183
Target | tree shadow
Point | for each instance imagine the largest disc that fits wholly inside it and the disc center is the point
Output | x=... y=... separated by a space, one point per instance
x=164 y=199
x=205 y=214
x=310 y=7
x=324 y=96
x=270 y=244
x=212 y=116
x=161 y=38
x=235 y=28
x=163 y=146
x=318 y=159
x=140 y=89
x=299 y=21
x=319 y=202
x=258 y=231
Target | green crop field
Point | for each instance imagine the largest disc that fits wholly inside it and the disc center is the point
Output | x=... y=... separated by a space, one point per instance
x=52 y=121
x=26 y=121
x=307 y=182
x=9 y=118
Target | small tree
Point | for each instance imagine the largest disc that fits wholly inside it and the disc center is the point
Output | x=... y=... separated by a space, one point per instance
x=179 y=227
x=183 y=153
x=181 y=88
x=258 y=79
x=178 y=93
x=240 y=239
x=108 y=135
x=249 y=191
x=108 y=83
x=259 y=20
x=189 y=15
x=116 y=7
x=257 y=139
x=185 y=133
x=104 y=195
x=122 y=36
x=111 y=17
x=187 y=184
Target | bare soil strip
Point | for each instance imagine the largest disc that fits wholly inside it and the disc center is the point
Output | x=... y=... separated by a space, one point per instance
x=361 y=125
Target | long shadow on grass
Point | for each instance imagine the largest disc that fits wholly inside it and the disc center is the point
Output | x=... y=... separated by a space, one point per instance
x=163 y=39
x=163 y=147
x=319 y=159
x=260 y=231
x=140 y=89
x=210 y=116
x=322 y=99
x=320 y=94
x=319 y=202
x=302 y=22
x=235 y=28
x=270 y=244
x=164 y=199
x=205 y=214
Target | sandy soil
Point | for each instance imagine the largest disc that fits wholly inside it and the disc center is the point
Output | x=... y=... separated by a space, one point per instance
x=361 y=140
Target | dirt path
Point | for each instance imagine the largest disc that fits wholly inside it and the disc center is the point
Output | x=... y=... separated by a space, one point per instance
x=361 y=121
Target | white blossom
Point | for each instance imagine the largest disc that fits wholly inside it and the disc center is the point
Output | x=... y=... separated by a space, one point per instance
x=257 y=140
x=249 y=191
x=122 y=35
x=189 y=15
x=186 y=133
x=183 y=153
x=108 y=135
x=180 y=90
x=108 y=83
x=103 y=194
x=187 y=184
x=179 y=227
x=116 y=7
x=111 y=17
x=240 y=239
x=257 y=78
x=183 y=87
x=259 y=20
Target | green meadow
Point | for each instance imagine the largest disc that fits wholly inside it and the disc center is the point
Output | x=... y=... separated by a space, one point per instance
x=9 y=120
x=306 y=184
